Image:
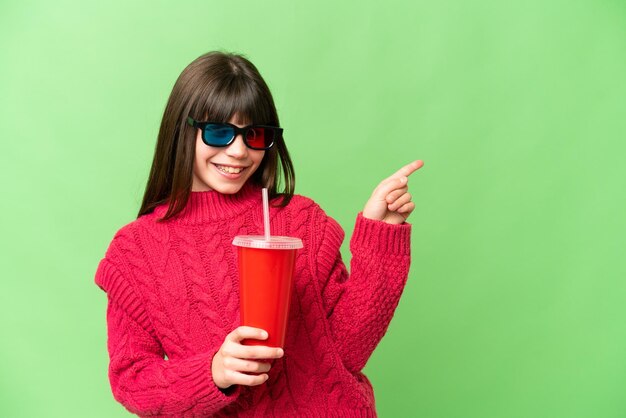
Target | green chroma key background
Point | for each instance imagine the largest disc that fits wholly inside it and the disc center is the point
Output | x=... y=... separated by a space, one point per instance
x=516 y=301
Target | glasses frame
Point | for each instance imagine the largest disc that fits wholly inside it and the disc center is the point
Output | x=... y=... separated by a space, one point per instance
x=243 y=131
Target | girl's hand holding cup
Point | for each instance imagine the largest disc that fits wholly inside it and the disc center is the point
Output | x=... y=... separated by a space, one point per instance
x=391 y=201
x=233 y=360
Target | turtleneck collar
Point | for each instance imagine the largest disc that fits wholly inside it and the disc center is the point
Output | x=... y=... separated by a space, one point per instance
x=212 y=205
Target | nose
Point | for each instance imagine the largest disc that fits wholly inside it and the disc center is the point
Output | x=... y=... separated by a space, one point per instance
x=237 y=149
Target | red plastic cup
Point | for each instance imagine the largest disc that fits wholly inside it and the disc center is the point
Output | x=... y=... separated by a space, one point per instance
x=265 y=281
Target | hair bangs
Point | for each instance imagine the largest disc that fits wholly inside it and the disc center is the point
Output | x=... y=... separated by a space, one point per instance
x=236 y=97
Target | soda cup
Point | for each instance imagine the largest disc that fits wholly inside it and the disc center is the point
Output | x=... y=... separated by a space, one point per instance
x=265 y=282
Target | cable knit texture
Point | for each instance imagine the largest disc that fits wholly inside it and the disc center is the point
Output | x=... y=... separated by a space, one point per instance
x=173 y=296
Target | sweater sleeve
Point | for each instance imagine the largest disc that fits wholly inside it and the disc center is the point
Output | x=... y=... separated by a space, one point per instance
x=142 y=380
x=360 y=305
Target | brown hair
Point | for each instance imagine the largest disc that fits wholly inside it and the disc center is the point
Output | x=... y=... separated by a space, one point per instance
x=215 y=87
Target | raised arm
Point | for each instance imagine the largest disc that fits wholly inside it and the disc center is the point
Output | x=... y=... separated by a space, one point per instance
x=359 y=306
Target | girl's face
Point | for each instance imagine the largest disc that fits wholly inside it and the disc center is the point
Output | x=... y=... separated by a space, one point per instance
x=225 y=169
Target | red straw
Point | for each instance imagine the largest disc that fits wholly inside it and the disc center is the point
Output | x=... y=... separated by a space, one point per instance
x=266 y=214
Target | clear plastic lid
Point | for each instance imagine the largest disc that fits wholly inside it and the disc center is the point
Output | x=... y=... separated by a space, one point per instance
x=274 y=243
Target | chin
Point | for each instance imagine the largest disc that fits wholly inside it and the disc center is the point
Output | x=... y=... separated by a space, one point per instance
x=228 y=188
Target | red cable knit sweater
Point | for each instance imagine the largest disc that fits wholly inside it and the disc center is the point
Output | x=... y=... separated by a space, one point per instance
x=173 y=296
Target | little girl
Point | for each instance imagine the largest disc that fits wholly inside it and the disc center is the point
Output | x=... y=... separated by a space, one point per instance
x=174 y=334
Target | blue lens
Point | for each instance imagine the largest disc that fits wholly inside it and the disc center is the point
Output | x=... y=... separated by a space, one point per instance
x=217 y=135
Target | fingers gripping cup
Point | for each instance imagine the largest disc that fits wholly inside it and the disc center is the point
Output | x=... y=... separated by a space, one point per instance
x=265 y=280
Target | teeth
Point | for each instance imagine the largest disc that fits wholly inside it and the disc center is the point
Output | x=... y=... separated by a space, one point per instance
x=231 y=170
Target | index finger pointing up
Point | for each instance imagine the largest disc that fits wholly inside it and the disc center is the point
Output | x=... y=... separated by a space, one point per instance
x=408 y=169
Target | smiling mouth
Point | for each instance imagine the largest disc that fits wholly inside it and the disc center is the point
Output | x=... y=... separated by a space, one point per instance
x=228 y=169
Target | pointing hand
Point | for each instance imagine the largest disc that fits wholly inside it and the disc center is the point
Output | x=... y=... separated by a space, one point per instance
x=391 y=202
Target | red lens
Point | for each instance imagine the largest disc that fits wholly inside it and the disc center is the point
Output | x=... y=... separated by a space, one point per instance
x=259 y=137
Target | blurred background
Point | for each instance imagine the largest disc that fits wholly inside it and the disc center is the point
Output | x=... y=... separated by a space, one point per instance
x=516 y=300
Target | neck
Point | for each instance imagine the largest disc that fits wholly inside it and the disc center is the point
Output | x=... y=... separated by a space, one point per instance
x=207 y=206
